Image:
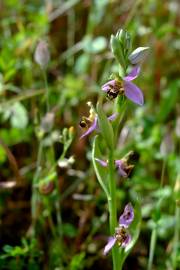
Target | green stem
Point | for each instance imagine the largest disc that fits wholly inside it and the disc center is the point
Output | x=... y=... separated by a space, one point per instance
x=112 y=188
x=57 y=206
x=26 y=95
x=47 y=90
x=113 y=208
x=176 y=237
x=152 y=247
x=118 y=122
x=163 y=172
x=70 y=34
x=51 y=225
x=34 y=186
x=59 y=219
x=154 y=231
x=132 y=13
x=39 y=156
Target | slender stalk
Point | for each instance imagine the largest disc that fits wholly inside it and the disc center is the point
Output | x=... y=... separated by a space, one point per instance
x=132 y=12
x=112 y=188
x=59 y=219
x=47 y=90
x=51 y=225
x=152 y=247
x=70 y=34
x=154 y=231
x=163 y=172
x=121 y=112
x=39 y=157
x=26 y=95
x=37 y=173
x=176 y=237
x=34 y=190
x=57 y=206
x=113 y=208
x=177 y=225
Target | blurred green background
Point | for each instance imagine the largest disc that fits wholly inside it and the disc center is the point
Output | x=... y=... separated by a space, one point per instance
x=71 y=222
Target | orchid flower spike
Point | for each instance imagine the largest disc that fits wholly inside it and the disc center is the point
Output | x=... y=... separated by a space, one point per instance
x=125 y=87
x=121 y=235
x=89 y=124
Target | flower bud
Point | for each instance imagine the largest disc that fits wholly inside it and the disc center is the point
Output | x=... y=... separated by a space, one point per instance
x=66 y=162
x=125 y=39
x=42 y=55
x=120 y=46
x=46 y=188
x=138 y=55
x=117 y=50
x=71 y=132
x=47 y=122
x=167 y=145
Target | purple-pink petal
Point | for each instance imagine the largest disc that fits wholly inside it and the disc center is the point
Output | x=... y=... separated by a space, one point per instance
x=133 y=93
x=127 y=217
x=126 y=241
x=109 y=245
x=108 y=85
x=133 y=74
x=119 y=164
x=101 y=162
x=91 y=128
x=112 y=117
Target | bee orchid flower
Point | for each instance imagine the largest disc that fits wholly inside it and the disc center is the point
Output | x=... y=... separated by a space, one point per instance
x=121 y=236
x=116 y=87
x=89 y=124
x=121 y=164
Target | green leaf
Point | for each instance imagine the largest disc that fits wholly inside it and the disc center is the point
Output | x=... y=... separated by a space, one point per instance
x=98 y=44
x=8 y=248
x=9 y=74
x=101 y=172
x=50 y=177
x=69 y=230
x=19 y=116
x=94 y=45
x=82 y=63
x=105 y=127
x=78 y=261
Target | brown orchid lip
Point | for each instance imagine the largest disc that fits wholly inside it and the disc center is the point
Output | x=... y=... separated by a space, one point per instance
x=111 y=94
x=82 y=124
x=115 y=90
x=120 y=235
x=85 y=122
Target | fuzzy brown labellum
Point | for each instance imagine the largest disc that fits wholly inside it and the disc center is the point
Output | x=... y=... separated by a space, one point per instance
x=120 y=235
x=115 y=90
x=84 y=122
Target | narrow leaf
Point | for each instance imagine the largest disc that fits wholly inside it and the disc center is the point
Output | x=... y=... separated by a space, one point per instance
x=105 y=127
x=100 y=171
